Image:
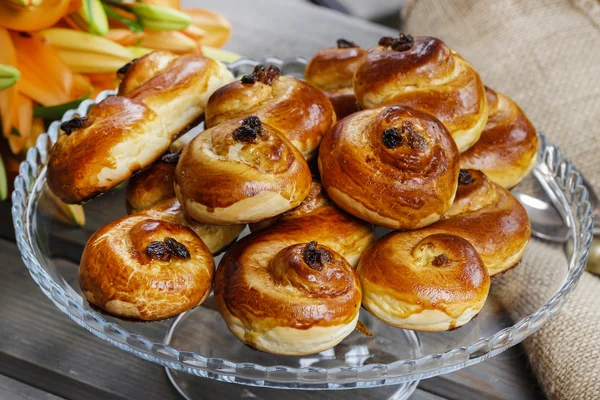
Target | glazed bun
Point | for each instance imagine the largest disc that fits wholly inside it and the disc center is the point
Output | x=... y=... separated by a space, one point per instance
x=420 y=281
x=216 y=237
x=424 y=73
x=147 y=269
x=291 y=289
x=300 y=111
x=437 y=278
x=126 y=133
x=393 y=166
x=240 y=172
x=332 y=70
x=507 y=149
x=153 y=184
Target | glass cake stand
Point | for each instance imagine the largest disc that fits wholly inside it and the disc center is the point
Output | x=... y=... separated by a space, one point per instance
x=389 y=364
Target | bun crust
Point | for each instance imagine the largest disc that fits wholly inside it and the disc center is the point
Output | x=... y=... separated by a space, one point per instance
x=277 y=299
x=223 y=178
x=392 y=166
x=147 y=269
x=332 y=70
x=507 y=149
x=429 y=76
x=126 y=133
x=150 y=186
x=300 y=111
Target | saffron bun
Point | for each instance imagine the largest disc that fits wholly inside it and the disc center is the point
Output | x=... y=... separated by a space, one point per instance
x=300 y=111
x=128 y=132
x=424 y=282
x=332 y=70
x=240 y=172
x=392 y=166
x=152 y=185
x=437 y=278
x=507 y=149
x=424 y=73
x=291 y=289
x=147 y=269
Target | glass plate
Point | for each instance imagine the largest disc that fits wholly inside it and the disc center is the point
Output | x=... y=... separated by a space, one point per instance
x=204 y=347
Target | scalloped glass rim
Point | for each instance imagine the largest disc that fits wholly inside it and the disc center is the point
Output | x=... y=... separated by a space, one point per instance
x=560 y=179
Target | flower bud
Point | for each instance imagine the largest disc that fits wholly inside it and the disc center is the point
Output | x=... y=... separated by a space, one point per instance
x=8 y=76
x=159 y=18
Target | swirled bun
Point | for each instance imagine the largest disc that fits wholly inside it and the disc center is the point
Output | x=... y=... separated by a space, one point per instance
x=126 y=133
x=490 y=218
x=507 y=149
x=414 y=280
x=424 y=73
x=300 y=111
x=392 y=166
x=216 y=237
x=147 y=269
x=240 y=172
x=281 y=292
x=152 y=185
x=332 y=70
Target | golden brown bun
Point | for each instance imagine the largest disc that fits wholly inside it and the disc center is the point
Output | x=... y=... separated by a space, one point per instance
x=216 y=237
x=425 y=74
x=240 y=172
x=507 y=148
x=421 y=281
x=392 y=166
x=147 y=269
x=128 y=132
x=273 y=299
x=332 y=70
x=300 y=111
x=437 y=278
x=152 y=185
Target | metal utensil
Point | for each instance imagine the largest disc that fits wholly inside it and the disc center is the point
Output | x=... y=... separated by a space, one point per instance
x=547 y=223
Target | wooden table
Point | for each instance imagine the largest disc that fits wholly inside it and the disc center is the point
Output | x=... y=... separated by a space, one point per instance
x=44 y=355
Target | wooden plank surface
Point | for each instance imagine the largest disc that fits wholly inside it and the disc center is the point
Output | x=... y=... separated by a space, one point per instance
x=43 y=348
x=11 y=389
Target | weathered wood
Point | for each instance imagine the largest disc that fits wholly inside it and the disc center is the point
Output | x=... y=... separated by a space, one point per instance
x=11 y=389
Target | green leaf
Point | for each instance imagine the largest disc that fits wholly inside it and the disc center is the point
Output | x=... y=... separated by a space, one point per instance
x=15 y=131
x=135 y=26
x=8 y=76
x=3 y=181
x=161 y=18
x=57 y=111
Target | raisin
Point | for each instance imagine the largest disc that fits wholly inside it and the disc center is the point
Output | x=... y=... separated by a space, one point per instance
x=316 y=258
x=464 y=177
x=249 y=131
x=176 y=248
x=440 y=261
x=76 y=123
x=345 y=44
x=159 y=251
x=391 y=139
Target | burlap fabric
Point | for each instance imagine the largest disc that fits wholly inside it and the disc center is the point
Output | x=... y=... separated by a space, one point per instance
x=545 y=54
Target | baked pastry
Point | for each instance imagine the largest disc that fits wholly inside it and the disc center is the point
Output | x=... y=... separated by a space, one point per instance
x=392 y=166
x=437 y=278
x=425 y=282
x=332 y=70
x=127 y=132
x=240 y=172
x=424 y=73
x=300 y=111
x=151 y=192
x=153 y=184
x=290 y=289
x=507 y=148
x=144 y=268
x=215 y=237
